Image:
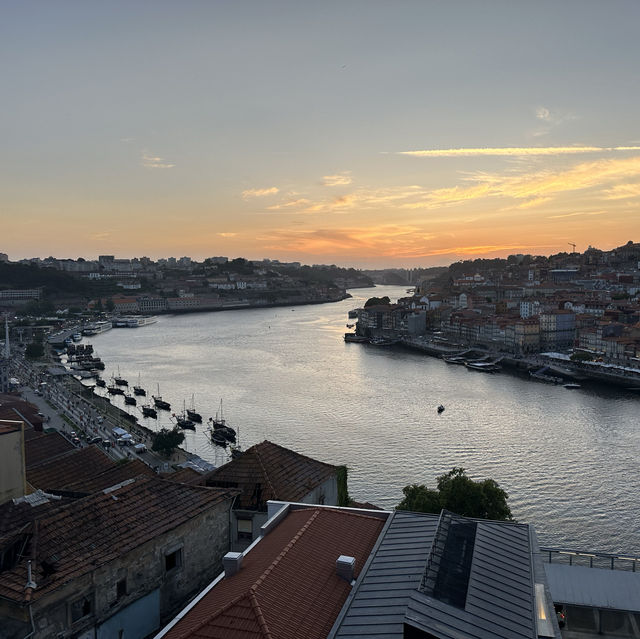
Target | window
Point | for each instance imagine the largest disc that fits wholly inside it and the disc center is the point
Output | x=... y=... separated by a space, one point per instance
x=80 y=608
x=245 y=528
x=121 y=588
x=173 y=560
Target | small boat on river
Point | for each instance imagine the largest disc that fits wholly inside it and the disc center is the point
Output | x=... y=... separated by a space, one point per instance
x=149 y=411
x=159 y=402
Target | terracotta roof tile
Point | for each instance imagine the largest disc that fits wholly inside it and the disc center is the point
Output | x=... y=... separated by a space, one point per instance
x=116 y=474
x=287 y=587
x=76 y=538
x=268 y=471
x=45 y=447
x=185 y=476
x=74 y=465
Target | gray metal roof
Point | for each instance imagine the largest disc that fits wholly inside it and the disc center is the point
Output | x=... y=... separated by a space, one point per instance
x=500 y=597
x=594 y=587
x=379 y=603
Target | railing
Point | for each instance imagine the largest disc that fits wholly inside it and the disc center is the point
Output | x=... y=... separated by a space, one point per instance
x=591 y=559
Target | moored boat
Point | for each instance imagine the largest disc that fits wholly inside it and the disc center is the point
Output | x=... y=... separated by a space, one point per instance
x=353 y=337
x=149 y=411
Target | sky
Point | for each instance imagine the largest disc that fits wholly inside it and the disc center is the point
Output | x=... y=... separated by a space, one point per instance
x=358 y=133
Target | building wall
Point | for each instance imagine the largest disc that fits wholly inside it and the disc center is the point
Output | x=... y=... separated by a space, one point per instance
x=12 y=464
x=151 y=589
x=326 y=493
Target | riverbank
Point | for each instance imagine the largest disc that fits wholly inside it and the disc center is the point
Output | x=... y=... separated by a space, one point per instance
x=558 y=364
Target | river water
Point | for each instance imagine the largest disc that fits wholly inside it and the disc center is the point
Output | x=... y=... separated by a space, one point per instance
x=568 y=459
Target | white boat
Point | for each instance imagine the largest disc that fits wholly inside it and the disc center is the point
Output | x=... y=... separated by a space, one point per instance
x=97 y=327
x=572 y=385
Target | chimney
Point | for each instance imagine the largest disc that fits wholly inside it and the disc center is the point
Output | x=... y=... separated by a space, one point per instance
x=231 y=563
x=345 y=566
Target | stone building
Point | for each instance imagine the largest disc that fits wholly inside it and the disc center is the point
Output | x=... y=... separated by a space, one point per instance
x=268 y=471
x=116 y=563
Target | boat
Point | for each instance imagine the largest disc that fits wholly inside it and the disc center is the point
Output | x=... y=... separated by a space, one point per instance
x=115 y=390
x=138 y=390
x=97 y=327
x=441 y=409
x=485 y=367
x=353 y=337
x=543 y=376
x=183 y=421
x=159 y=402
x=120 y=381
x=191 y=412
x=218 y=439
x=353 y=313
x=382 y=341
x=350 y=325
x=219 y=421
x=572 y=385
x=101 y=383
x=149 y=411
x=455 y=359
x=130 y=399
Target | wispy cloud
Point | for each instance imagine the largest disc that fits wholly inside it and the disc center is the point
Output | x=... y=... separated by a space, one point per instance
x=556 y=217
x=515 y=151
x=249 y=193
x=227 y=234
x=340 y=179
x=623 y=191
x=153 y=162
x=299 y=203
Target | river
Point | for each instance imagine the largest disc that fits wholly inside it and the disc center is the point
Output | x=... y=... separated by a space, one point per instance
x=567 y=458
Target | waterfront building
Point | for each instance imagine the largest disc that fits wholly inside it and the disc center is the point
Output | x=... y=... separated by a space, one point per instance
x=322 y=572
x=268 y=471
x=116 y=563
x=557 y=329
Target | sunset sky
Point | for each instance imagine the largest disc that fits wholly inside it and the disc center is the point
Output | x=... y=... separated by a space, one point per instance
x=367 y=134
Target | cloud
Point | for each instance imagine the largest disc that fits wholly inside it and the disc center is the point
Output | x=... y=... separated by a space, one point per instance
x=227 y=234
x=301 y=202
x=542 y=113
x=340 y=179
x=249 y=193
x=515 y=151
x=623 y=191
x=555 y=217
x=151 y=162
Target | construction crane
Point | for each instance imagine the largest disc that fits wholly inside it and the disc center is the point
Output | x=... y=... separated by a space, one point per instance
x=574 y=246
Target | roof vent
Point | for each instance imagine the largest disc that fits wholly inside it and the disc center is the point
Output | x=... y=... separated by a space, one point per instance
x=231 y=563
x=345 y=566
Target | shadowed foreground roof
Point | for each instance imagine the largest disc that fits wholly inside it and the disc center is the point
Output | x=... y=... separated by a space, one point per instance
x=75 y=538
x=287 y=587
x=69 y=467
x=268 y=471
x=44 y=447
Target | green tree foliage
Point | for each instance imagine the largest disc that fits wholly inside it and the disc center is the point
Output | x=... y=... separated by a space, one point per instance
x=375 y=301
x=34 y=350
x=343 y=492
x=459 y=494
x=165 y=441
x=581 y=356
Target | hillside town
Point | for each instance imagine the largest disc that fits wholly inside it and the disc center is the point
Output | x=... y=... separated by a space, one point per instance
x=588 y=303
x=140 y=285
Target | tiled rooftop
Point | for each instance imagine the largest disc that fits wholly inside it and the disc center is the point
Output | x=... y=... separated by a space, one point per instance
x=115 y=474
x=268 y=471
x=77 y=537
x=45 y=447
x=72 y=466
x=9 y=425
x=287 y=587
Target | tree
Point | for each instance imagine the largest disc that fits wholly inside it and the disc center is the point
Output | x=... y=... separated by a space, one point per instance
x=34 y=350
x=374 y=301
x=165 y=441
x=459 y=494
x=110 y=305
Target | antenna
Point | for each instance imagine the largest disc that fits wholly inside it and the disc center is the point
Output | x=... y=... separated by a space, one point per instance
x=574 y=246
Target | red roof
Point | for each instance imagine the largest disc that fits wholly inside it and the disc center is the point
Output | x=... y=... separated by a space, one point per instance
x=45 y=447
x=78 y=537
x=268 y=471
x=287 y=587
